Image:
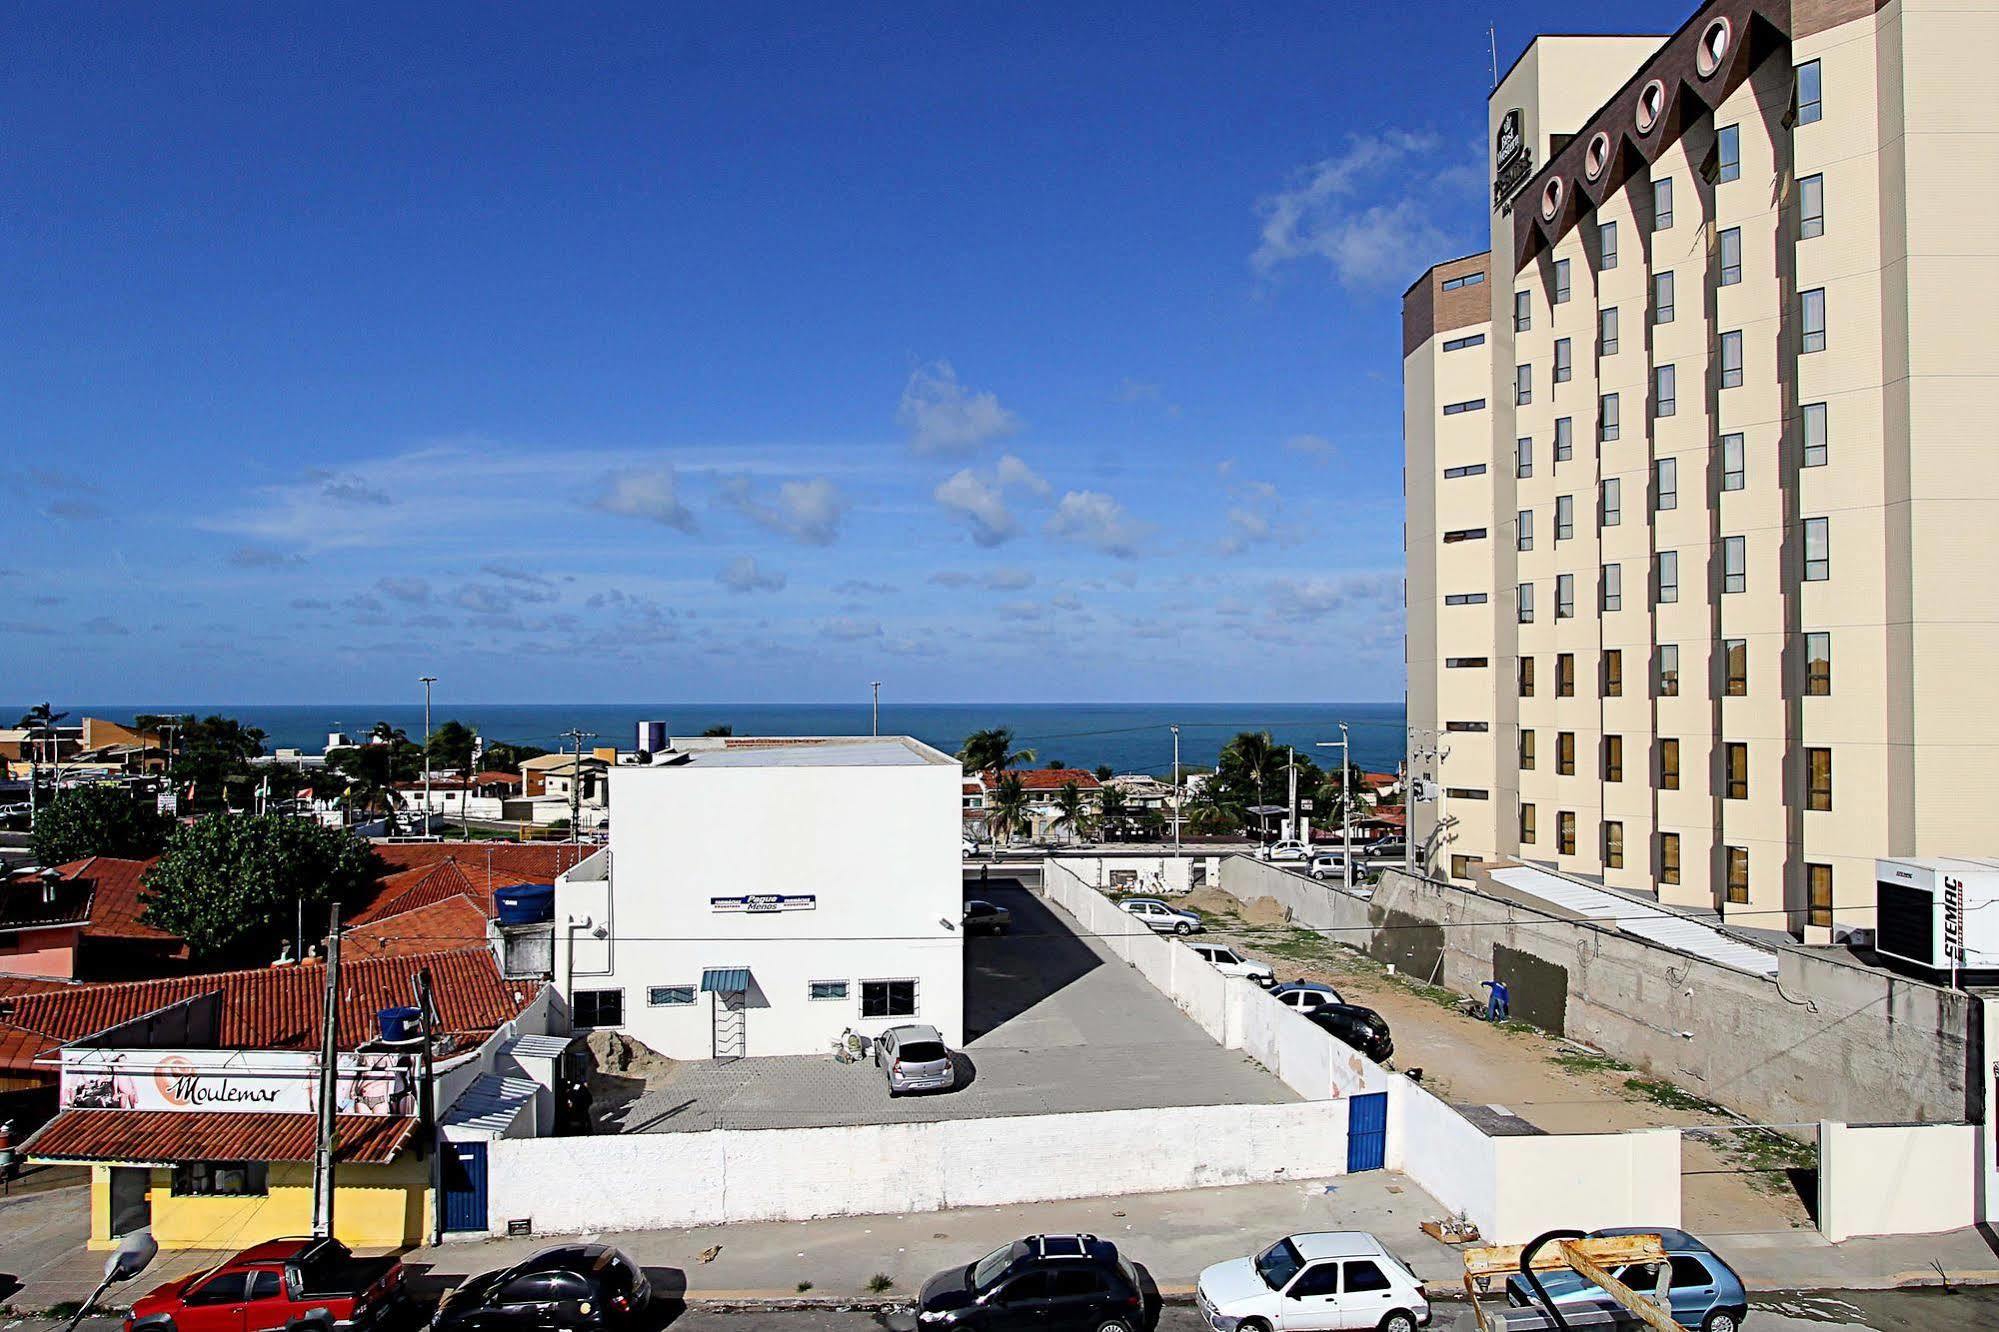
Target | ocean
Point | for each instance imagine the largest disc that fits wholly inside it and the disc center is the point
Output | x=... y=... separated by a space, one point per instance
x=1130 y=737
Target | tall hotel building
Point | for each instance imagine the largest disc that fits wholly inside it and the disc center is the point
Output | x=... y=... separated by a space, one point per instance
x=1703 y=469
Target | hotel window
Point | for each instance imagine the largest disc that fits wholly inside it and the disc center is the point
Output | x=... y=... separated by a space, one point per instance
x=1527 y=825
x=1465 y=599
x=1818 y=895
x=1565 y=438
x=1665 y=390
x=1728 y=248
x=1565 y=832
x=1459 y=344
x=1811 y=207
x=1610 y=504
x=1613 y=845
x=1453 y=473
x=1613 y=758
x=1523 y=457
x=1818 y=664
x=1667 y=576
x=1606 y=418
x=1475 y=728
x=1669 y=857
x=1565 y=753
x=1662 y=204
x=1523 y=385
x=1815 y=434
x=1811 y=321
x=1455 y=535
x=1735 y=770
x=1526 y=677
x=1526 y=751
x=1818 y=551
x=1565 y=675
x=1613 y=587
x=1460 y=408
x=1565 y=517
x=1734 y=467
x=1524 y=521
x=1565 y=596
x=597 y=1008
x=1606 y=332
x=1810 y=108
x=1523 y=311
x=1463 y=280
x=670 y=996
x=1731 y=360
x=1738 y=874
x=1669 y=670
x=1728 y=154
x=1561 y=281
x=1564 y=361
x=1606 y=244
x=1467 y=793
x=1734 y=564
x=1669 y=765
x=820 y=991
x=1662 y=298
x=1524 y=595
x=221 y=1179
x=1613 y=671
x=1735 y=667
x=888 y=998
x=1460 y=867
x=1466 y=663
x=1666 y=484
x=1818 y=779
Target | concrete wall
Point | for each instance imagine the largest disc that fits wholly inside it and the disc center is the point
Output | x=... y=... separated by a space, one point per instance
x=1585 y=1180
x=1896 y=1179
x=670 y=1180
x=1154 y=874
x=1829 y=1037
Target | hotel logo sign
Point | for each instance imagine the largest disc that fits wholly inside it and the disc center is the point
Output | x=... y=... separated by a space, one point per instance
x=1513 y=161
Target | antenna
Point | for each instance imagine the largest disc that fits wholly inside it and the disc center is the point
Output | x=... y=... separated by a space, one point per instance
x=1492 y=44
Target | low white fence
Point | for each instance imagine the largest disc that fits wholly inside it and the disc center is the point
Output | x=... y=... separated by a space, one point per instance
x=1896 y=1179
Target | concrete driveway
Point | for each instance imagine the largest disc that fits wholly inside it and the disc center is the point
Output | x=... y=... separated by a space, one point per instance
x=1054 y=1023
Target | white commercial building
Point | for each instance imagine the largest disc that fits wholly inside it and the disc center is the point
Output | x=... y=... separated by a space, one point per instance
x=762 y=897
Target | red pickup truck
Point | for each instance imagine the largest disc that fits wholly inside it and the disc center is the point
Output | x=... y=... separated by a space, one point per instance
x=286 y=1285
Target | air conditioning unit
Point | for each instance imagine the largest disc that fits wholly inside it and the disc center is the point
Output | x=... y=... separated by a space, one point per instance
x=1938 y=913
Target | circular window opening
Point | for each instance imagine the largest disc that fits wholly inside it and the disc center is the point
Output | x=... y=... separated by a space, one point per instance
x=1597 y=155
x=1651 y=105
x=1713 y=48
x=1551 y=199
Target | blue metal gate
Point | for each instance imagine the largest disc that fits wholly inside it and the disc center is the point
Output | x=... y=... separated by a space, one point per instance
x=464 y=1166
x=1367 y=1131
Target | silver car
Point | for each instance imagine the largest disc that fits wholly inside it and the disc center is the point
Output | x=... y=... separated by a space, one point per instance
x=915 y=1058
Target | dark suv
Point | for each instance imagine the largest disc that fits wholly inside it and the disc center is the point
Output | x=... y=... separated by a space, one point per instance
x=1043 y=1281
x=571 y=1286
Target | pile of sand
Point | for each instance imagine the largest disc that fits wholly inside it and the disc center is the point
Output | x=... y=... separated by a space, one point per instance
x=616 y=1057
x=1256 y=911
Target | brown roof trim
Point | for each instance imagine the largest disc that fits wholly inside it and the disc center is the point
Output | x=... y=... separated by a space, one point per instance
x=1424 y=276
x=1427 y=309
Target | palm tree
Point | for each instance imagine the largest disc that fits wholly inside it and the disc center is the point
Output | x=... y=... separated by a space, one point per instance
x=719 y=732
x=1072 y=811
x=1116 y=811
x=1215 y=809
x=1006 y=809
x=992 y=751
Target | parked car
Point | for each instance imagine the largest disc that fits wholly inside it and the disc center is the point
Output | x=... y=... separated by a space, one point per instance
x=968 y=847
x=275 y=1285
x=1362 y=1028
x=1336 y=1279
x=1385 y=850
x=1703 y=1290
x=1162 y=918
x=1055 y=1282
x=983 y=917
x=915 y=1058
x=568 y=1286
x=1231 y=963
x=1288 y=849
x=1306 y=995
x=1330 y=865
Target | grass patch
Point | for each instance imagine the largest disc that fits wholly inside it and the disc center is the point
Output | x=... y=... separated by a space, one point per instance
x=1671 y=1095
x=1589 y=1061
x=804 y=1286
x=880 y=1282
x=64 y=1309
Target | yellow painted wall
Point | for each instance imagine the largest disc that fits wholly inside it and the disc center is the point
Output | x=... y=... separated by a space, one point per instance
x=374 y=1207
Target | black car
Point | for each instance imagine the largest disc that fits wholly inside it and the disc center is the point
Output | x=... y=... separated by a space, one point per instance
x=1043 y=1281
x=1362 y=1028
x=568 y=1286
x=982 y=916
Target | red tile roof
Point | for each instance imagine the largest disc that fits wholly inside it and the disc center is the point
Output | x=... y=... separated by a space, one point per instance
x=496 y=778
x=1046 y=779
x=276 y=1007
x=1378 y=779
x=166 y=1137
x=427 y=872
x=454 y=922
x=115 y=909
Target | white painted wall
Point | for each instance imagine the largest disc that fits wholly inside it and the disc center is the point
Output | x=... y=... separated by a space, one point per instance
x=876 y=847
x=1587 y=1181
x=1896 y=1179
x=1155 y=874
x=669 y=1180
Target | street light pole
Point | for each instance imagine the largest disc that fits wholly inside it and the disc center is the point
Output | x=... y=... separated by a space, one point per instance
x=427 y=681
x=1346 y=805
x=876 y=685
x=1177 y=801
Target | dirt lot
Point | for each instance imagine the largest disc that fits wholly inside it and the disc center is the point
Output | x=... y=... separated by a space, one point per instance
x=1736 y=1181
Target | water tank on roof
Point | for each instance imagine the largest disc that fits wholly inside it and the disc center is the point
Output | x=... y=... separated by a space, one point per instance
x=528 y=904
x=400 y=1026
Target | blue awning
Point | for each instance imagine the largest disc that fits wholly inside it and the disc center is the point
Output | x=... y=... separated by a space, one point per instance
x=726 y=980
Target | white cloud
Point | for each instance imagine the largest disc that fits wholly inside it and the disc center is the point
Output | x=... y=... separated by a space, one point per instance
x=263 y=557
x=651 y=493
x=980 y=498
x=1092 y=518
x=1363 y=211
x=1316 y=447
x=1359 y=591
x=743 y=574
x=847 y=630
x=405 y=588
x=943 y=416
x=808 y=511
x=1011 y=471
x=1009 y=580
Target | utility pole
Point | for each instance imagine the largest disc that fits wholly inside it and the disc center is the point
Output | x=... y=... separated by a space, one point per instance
x=427 y=1101
x=1291 y=767
x=329 y=1075
x=1346 y=806
x=876 y=685
x=427 y=681
x=1177 y=801
x=576 y=781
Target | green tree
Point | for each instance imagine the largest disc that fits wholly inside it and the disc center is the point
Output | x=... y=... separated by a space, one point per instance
x=1215 y=809
x=1117 y=812
x=451 y=746
x=98 y=821
x=1006 y=808
x=232 y=885
x=372 y=770
x=718 y=732
x=211 y=755
x=1105 y=772
x=992 y=751
x=1072 y=811
x=503 y=757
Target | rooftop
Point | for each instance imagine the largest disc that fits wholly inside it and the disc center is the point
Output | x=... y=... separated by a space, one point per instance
x=838 y=751
x=167 y=1137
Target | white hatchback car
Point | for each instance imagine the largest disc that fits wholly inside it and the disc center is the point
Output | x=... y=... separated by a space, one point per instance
x=1332 y=1279
x=1289 y=849
x=1231 y=963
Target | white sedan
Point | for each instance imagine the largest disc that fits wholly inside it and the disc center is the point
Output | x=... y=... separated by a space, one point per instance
x=1231 y=963
x=1332 y=1279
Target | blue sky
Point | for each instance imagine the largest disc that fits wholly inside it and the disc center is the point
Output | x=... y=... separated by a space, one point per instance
x=738 y=351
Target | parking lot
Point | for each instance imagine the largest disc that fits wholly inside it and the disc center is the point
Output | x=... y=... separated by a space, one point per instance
x=1053 y=1024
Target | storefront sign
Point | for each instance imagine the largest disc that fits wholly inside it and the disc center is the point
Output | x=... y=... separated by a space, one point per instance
x=757 y=903
x=1953 y=919
x=1513 y=160
x=270 y=1081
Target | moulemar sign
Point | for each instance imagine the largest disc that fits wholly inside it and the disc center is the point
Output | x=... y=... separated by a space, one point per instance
x=1513 y=161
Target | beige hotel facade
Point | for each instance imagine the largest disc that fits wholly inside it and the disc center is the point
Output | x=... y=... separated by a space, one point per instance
x=1702 y=464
